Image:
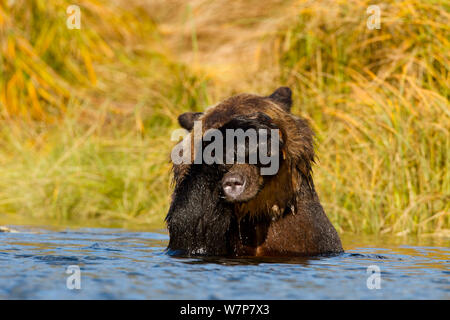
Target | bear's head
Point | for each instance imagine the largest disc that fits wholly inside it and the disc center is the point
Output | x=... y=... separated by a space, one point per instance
x=219 y=182
x=245 y=184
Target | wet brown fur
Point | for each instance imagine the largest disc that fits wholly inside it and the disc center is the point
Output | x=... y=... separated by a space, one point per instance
x=285 y=218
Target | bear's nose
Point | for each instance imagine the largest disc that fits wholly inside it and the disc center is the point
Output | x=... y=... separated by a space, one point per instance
x=233 y=185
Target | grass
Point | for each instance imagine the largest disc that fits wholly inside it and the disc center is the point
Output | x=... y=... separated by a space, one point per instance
x=86 y=115
x=378 y=100
x=101 y=150
x=43 y=62
x=100 y=163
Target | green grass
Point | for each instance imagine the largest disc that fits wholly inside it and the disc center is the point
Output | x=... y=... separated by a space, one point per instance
x=115 y=167
x=108 y=162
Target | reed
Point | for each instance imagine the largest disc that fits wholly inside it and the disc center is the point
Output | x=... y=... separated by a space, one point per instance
x=378 y=100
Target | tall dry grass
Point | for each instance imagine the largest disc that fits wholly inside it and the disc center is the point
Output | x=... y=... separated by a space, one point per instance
x=86 y=114
x=44 y=64
x=378 y=100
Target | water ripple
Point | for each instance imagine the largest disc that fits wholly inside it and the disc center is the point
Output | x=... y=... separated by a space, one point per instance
x=117 y=264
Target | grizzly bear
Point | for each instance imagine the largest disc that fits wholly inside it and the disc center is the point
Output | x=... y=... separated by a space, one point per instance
x=232 y=209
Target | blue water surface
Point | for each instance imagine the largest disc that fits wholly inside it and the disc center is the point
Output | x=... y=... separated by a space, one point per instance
x=121 y=264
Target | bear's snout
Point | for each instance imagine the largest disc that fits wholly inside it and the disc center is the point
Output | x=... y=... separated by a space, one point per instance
x=241 y=183
x=233 y=185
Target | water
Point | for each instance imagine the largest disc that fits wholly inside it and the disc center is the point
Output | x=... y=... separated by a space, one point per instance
x=120 y=264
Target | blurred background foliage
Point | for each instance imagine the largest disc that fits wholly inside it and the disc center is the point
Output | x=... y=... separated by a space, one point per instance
x=86 y=115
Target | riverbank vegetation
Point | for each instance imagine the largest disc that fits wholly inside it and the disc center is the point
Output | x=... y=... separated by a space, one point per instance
x=86 y=115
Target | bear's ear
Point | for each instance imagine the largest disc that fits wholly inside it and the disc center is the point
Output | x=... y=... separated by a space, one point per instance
x=283 y=95
x=186 y=120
